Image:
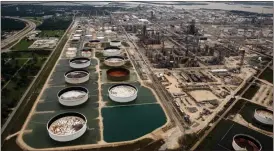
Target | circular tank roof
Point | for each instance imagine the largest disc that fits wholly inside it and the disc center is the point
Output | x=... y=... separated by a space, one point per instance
x=111 y=47
x=115 y=58
x=115 y=41
x=76 y=73
x=71 y=93
x=247 y=142
x=122 y=90
x=66 y=124
x=97 y=40
x=118 y=72
x=79 y=60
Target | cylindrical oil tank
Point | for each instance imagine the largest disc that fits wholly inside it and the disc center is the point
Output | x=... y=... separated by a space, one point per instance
x=67 y=126
x=115 y=43
x=114 y=61
x=79 y=31
x=72 y=49
x=95 y=43
x=73 y=96
x=264 y=116
x=88 y=37
x=122 y=93
x=80 y=62
x=86 y=52
x=118 y=74
x=100 y=35
x=245 y=142
x=76 y=76
x=111 y=51
x=77 y=35
x=75 y=39
x=70 y=54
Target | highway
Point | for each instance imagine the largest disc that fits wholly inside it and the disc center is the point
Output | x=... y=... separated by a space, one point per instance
x=19 y=35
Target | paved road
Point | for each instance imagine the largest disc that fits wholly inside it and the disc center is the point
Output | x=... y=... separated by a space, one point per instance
x=29 y=27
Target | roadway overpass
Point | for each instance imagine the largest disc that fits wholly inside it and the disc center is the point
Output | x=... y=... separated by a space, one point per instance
x=30 y=26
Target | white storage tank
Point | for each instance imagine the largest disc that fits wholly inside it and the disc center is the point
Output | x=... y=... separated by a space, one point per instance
x=73 y=96
x=111 y=51
x=76 y=76
x=67 y=126
x=80 y=62
x=77 y=35
x=75 y=39
x=115 y=43
x=79 y=31
x=114 y=61
x=70 y=54
x=86 y=52
x=72 y=49
x=88 y=37
x=245 y=142
x=264 y=116
x=100 y=36
x=122 y=93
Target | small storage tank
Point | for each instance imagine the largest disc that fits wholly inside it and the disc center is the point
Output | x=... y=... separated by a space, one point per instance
x=115 y=43
x=75 y=39
x=122 y=93
x=118 y=74
x=245 y=142
x=264 y=116
x=100 y=36
x=72 y=49
x=80 y=62
x=70 y=54
x=95 y=43
x=78 y=31
x=77 y=35
x=67 y=126
x=73 y=96
x=76 y=76
x=111 y=51
x=88 y=37
x=114 y=61
x=86 y=52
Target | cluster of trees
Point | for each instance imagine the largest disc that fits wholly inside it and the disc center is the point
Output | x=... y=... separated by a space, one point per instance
x=28 y=10
x=8 y=24
x=55 y=23
x=9 y=66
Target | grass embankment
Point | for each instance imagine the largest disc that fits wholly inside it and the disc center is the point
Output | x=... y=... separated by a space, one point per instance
x=23 y=44
x=51 y=33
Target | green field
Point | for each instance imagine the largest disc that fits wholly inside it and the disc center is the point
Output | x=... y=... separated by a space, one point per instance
x=51 y=33
x=22 y=45
x=18 y=70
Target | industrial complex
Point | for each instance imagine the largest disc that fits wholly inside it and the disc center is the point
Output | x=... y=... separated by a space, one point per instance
x=190 y=79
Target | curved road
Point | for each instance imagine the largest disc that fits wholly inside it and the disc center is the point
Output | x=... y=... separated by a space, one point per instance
x=29 y=27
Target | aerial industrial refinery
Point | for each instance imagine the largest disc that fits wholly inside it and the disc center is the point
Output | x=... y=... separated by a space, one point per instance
x=168 y=77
